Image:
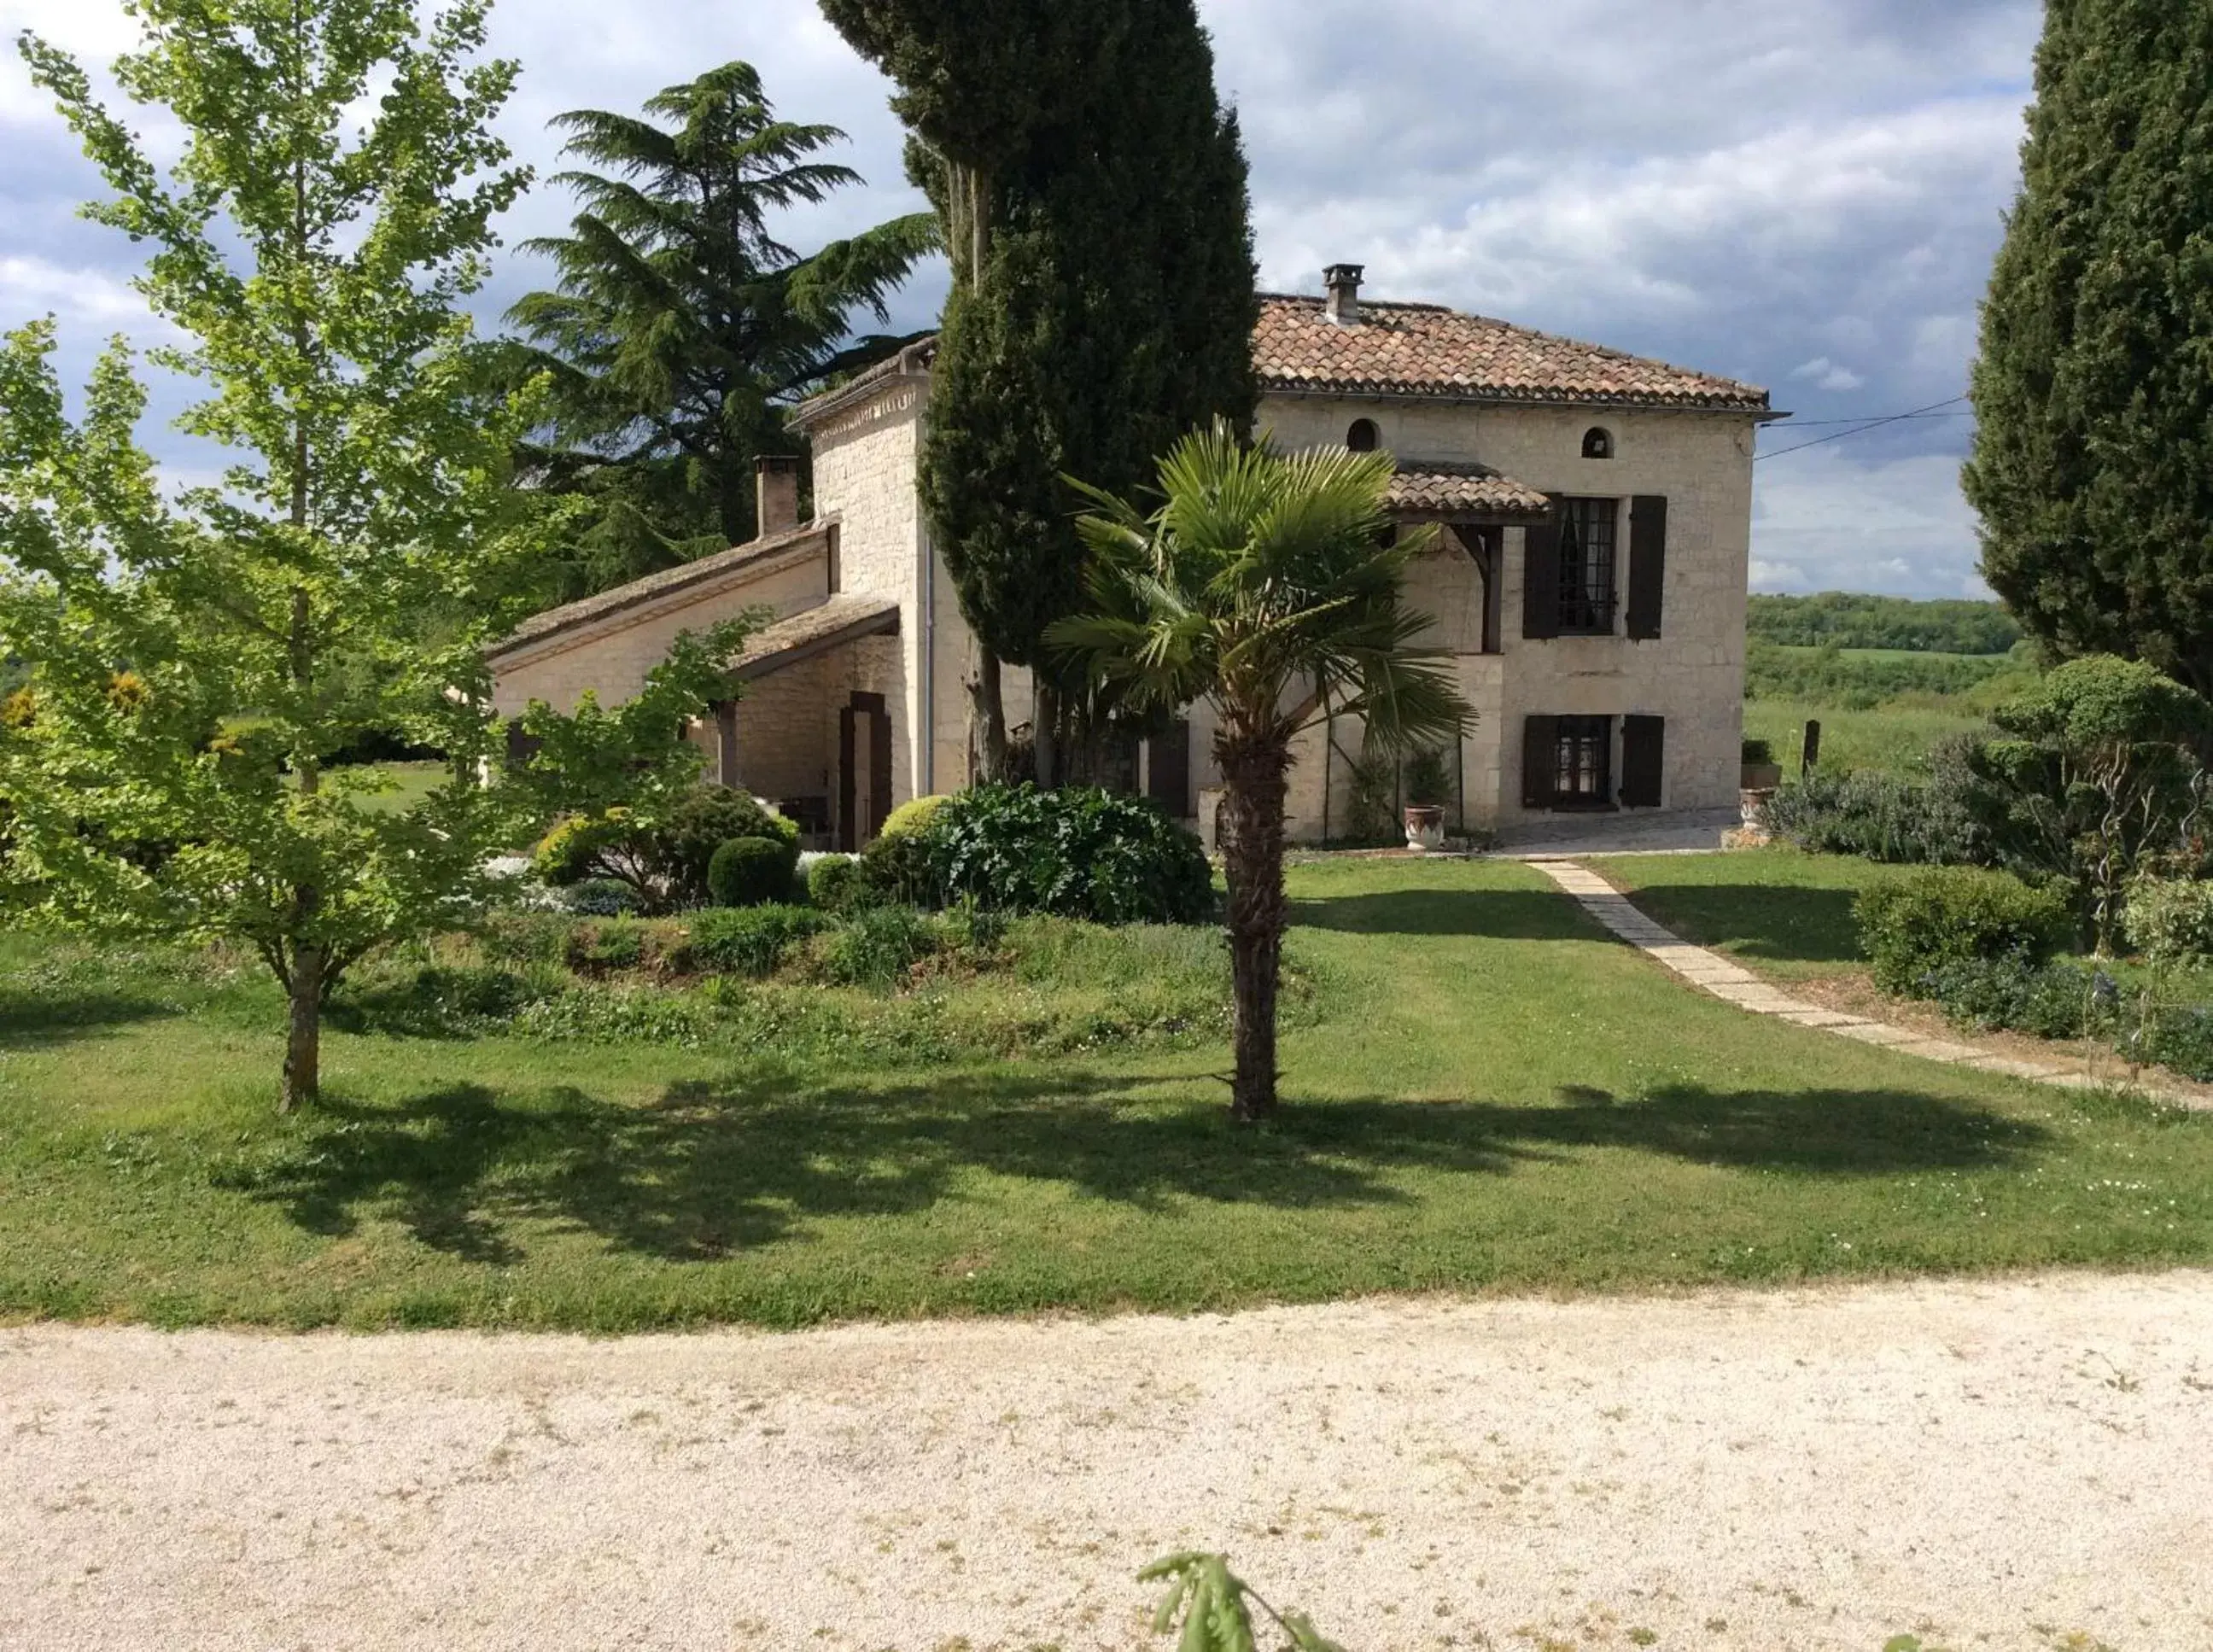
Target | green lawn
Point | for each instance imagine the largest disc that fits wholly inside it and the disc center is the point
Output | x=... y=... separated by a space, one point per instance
x=1780 y=909
x=1893 y=737
x=1486 y=1094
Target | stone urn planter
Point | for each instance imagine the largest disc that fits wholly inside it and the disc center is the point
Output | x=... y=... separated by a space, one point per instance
x=1425 y=827
x=1761 y=777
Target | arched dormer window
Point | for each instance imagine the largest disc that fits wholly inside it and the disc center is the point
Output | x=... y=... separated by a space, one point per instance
x=1362 y=437
x=1598 y=443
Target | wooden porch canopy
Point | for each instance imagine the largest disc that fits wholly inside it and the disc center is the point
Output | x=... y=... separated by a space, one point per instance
x=1434 y=490
x=845 y=617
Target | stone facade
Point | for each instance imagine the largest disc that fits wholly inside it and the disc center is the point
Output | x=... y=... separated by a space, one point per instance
x=868 y=539
x=1691 y=675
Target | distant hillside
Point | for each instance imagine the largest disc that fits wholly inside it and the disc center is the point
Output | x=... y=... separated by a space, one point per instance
x=1849 y=619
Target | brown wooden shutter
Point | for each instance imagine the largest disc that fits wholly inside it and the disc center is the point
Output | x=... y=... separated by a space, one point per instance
x=1644 y=757
x=849 y=829
x=880 y=762
x=1540 y=755
x=1540 y=577
x=1648 y=563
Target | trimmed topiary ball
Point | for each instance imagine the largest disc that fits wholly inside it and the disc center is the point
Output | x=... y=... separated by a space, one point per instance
x=749 y=872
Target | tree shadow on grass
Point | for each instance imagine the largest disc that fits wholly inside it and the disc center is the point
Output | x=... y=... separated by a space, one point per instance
x=1777 y=922
x=712 y=1170
x=28 y=1020
x=1500 y=914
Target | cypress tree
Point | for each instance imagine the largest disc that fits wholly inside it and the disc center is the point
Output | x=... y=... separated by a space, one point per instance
x=2093 y=461
x=1093 y=192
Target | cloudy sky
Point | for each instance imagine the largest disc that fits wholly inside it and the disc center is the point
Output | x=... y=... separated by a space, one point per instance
x=1805 y=193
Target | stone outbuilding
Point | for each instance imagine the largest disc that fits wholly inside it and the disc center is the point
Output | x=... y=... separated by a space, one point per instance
x=1594 y=515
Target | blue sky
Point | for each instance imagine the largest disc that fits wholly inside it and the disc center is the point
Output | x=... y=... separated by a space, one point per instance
x=1805 y=193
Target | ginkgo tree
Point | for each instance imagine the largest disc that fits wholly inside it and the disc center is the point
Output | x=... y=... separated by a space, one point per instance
x=196 y=656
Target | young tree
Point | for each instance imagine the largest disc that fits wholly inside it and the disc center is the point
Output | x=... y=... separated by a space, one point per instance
x=195 y=657
x=2096 y=774
x=681 y=328
x=1263 y=585
x=2093 y=461
x=1093 y=192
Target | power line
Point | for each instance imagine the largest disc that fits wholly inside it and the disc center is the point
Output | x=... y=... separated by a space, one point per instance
x=1872 y=423
x=1816 y=424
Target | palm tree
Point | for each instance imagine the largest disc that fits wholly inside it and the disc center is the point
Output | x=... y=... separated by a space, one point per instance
x=1268 y=585
x=681 y=328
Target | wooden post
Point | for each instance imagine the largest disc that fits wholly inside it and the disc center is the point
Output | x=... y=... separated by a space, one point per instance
x=1812 y=754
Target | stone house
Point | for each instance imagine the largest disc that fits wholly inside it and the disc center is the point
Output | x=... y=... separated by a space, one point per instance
x=1594 y=512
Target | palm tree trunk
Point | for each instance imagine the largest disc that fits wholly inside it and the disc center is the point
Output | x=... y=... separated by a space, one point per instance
x=1252 y=772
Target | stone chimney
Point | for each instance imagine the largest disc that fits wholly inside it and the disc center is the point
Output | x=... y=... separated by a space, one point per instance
x=775 y=493
x=1342 y=281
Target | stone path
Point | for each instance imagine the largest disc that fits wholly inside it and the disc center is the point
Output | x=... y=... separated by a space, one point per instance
x=1733 y=983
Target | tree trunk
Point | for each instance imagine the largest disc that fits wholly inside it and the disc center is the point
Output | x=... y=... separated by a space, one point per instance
x=1044 y=720
x=1252 y=772
x=987 y=721
x=303 y=1041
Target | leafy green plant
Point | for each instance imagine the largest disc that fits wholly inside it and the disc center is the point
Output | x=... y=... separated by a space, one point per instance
x=1077 y=852
x=1757 y=750
x=601 y=897
x=749 y=871
x=2057 y=999
x=1949 y=914
x=749 y=941
x=661 y=851
x=1885 y=816
x=619 y=944
x=2095 y=778
x=912 y=818
x=900 y=871
x=877 y=946
x=1428 y=778
x=2170 y=920
x=835 y=883
x=1208 y=1608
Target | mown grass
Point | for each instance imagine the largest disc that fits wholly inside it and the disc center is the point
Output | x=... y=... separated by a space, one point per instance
x=1488 y=1094
x=1787 y=913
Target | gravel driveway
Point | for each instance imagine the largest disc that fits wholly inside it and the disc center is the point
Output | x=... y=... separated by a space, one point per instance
x=1992 y=1466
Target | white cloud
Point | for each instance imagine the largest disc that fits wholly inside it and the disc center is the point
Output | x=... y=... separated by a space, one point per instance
x=1827 y=374
x=1827 y=519
x=1748 y=190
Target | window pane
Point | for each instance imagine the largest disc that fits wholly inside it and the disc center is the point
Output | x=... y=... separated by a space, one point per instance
x=1582 y=760
x=1586 y=565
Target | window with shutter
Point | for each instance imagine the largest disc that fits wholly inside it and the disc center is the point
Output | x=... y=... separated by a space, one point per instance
x=1643 y=760
x=1586 y=557
x=1648 y=563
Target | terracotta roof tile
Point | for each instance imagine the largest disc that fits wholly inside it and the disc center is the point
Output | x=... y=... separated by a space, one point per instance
x=1430 y=488
x=1427 y=350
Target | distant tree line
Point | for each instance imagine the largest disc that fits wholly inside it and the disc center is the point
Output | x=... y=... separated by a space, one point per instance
x=1859 y=682
x=1853 y=620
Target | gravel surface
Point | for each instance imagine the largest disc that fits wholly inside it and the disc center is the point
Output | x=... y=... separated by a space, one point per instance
x=2000 y=1464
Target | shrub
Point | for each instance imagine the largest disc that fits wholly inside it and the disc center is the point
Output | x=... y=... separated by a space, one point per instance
x=663 y=860
x=750 y=871
x=684 y=843
x=1945 y=915
x=1883 y=817
x=1757 y=750
x=750 y=941
x=2180 y=1038
x=1079 y=852
x=834 y=883
x=600 y=898
x=618 y=944
x=2056 y=1000
x=912 y=818
x=526 y=937
x=2170 y=920
x=877 y=946
x=565 y=855
x=901 y=871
